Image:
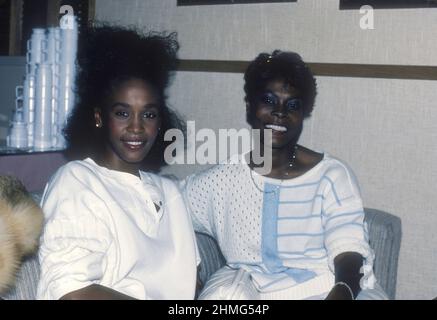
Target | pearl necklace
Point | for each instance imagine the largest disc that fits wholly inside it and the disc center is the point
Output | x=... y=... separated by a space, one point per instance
x=290 y=165
x=293 y=159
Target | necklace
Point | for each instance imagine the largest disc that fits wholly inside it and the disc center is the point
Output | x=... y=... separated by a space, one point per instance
x=290 y=165
x=293 y=159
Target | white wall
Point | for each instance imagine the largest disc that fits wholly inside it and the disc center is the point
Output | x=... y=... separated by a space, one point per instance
x=385 y=129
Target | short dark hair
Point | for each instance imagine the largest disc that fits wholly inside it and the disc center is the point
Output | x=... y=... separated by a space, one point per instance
x=288 y=66
x=108 y=56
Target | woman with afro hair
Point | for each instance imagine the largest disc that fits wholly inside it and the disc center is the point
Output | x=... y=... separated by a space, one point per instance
x=297 y=231
x=114 y=228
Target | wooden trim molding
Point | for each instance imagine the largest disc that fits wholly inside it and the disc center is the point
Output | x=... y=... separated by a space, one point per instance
x=322 y=69
x=230 y=66
x=15 y=27
x=213 y=2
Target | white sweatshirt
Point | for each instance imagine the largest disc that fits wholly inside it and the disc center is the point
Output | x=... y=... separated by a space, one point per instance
x=102 y=227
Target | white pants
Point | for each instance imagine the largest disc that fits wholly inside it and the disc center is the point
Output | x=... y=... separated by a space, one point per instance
x=236 y=284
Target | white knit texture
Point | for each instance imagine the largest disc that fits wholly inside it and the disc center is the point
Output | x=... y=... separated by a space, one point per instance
x=315 y=217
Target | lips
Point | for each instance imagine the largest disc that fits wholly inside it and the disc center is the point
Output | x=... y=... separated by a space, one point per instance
x=134 y=144
x=276 y=128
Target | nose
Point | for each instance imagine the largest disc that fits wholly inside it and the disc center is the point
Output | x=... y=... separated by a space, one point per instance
x=136 y=124
x=279 y=111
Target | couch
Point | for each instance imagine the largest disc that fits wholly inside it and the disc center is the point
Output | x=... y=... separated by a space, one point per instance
x=384 y=235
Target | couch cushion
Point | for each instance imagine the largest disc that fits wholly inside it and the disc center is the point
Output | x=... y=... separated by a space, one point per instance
x=28 y=276
x=212 y=258
x=384 y=234
x=26 y=281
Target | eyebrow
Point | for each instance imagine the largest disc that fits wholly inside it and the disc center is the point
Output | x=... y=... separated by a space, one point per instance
x=268 y=91
x=120 y=104
x=126 y=105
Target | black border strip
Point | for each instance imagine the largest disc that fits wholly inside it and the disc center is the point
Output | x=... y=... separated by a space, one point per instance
x=213 y=2
x=387 y=4
x=322 y=69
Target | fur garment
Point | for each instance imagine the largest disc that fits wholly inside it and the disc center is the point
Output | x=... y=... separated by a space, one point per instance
x=21 y=221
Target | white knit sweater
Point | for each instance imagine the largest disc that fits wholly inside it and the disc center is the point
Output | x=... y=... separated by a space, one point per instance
x=285 y=232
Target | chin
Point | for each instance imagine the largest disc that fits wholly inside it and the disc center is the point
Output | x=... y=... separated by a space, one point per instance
x=134 y=160
x=280 y=147
x=135 y=157
x=275 y=144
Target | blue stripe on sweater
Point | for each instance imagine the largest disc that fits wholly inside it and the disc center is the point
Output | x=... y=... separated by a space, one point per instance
x=270 y=229
x=301 y=234
x=333 y=190
x=324 y=177
x=303 y=185
x=349 y=224
x=302 y=252
x=303 y=201
x=345 y=214
x=313 y=216
x=269 y=246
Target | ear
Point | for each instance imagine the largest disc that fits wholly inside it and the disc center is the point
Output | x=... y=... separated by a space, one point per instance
x=98 y=117
x=248 y=113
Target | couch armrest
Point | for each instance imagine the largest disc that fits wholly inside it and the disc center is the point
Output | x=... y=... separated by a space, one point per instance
x=385 y=232
x=212 y=257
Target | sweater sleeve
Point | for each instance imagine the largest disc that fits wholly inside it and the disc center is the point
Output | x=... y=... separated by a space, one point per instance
x=74 y=240
x=343 y=216
x=197 y=190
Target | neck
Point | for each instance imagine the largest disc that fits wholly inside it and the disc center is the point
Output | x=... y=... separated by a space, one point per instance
x=281 y=158
x=117 y=165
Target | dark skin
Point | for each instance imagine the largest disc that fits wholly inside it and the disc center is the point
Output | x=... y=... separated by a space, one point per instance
x=131 y=122
x=96 y=292
x=347 y=269
x=278 y=108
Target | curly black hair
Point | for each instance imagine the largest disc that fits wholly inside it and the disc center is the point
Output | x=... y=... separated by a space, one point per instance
x=108 y=56
x=288 y=66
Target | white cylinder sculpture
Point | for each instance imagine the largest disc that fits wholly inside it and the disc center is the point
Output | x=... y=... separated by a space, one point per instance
x=43 y=113
x=35 y=49
x=67 y=74
x=29 y=106
x=53 y=58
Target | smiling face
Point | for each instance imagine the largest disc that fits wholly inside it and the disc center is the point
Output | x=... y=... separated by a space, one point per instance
x=279 y=108
x=130 y=120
